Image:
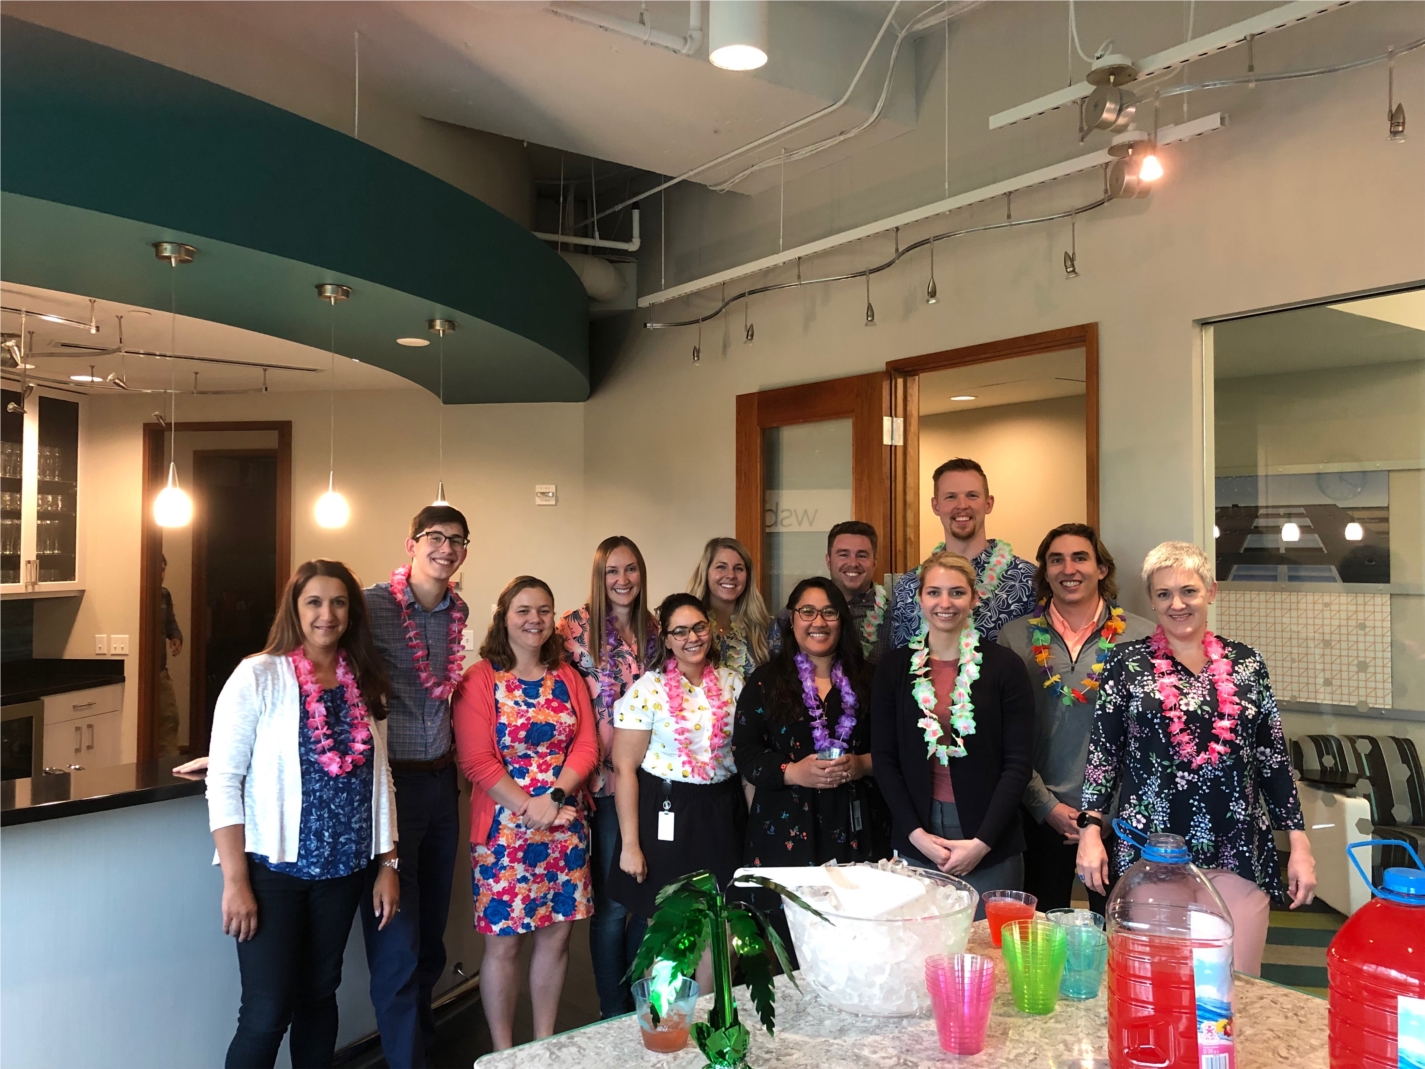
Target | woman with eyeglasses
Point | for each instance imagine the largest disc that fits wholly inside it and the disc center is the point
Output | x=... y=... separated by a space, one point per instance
x=803 y=739
x=723 y=583
x=679 y=800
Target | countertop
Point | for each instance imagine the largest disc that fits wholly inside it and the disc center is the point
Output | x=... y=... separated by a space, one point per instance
x=1275 y=1026
x=25 y=801
x=25 y=681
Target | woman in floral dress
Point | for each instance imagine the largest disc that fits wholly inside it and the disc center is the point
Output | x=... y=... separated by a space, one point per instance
x=524 y=730
x=611 y=640
x=1186 y=729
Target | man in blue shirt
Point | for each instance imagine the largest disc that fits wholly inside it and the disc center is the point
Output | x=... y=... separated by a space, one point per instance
x=417 y=620
x=962 y=500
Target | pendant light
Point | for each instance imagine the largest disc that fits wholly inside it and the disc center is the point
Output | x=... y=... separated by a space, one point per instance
x=737 y=34
x=331 y=508
x=173 y=507
x=441 y=327
x=932 y=294
x=870 y=311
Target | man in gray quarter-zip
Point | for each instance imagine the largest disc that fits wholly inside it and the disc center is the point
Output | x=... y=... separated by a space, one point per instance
x=1064 y=643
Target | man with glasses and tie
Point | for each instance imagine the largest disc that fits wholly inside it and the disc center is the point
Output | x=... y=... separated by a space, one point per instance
x=418 y=622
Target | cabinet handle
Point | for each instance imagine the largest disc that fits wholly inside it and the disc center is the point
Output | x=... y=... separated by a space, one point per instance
x=32 y=572
x=78 y=738
x=85 y=705
x=90 y=729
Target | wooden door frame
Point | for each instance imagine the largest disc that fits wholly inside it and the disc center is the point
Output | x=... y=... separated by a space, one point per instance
x=155 y=475
x=864 y=399
x=905 y=397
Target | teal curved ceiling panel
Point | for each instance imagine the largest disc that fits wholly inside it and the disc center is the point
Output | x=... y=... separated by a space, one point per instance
x=103 y=153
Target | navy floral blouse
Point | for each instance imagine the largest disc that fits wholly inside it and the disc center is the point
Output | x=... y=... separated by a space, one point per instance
x=1225 y=811
x=334 y=838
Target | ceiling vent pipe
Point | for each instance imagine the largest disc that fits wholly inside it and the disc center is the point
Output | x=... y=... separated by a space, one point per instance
x=601 y=280
x=642 y=30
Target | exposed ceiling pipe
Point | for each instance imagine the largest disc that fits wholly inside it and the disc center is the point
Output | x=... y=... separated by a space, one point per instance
x=598 y=243
x=641 y=30
x=601 y=279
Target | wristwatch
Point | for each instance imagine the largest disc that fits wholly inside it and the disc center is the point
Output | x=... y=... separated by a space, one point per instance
x=393 y=863
x=1083 y=820
x=558 y=795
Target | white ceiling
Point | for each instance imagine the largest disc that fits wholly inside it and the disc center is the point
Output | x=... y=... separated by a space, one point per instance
x=153 y=329
x=1015 y=381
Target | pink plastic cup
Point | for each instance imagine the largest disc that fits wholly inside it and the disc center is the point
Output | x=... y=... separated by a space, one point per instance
x=962 y=990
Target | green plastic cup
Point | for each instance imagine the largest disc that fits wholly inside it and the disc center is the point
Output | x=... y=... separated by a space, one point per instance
x=1034 y=953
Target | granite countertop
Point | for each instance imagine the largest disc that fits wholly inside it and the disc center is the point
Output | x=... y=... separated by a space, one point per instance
x=25 y=681
x=95 y=790
x=1275 y=1026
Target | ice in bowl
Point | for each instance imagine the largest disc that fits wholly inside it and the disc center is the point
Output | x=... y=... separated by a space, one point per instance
x=882 y=922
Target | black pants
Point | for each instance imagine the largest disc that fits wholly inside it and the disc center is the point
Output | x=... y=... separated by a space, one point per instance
x=1050 y=866
x=292 y=967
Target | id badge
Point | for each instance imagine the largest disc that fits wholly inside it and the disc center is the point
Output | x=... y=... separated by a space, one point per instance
x=665 y=826
x=856 y=815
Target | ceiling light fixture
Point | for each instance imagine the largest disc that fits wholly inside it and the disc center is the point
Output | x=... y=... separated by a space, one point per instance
x=1071 y=258
x=1394 y=113
x=737 y=34
x=91 y=377
x=698 y=346
x=870 y=311
x=932 y=295
x=1291 y=532
x=414 y=343
x=331 y=509
x=964 y=397
x=1150 y=170
x=173 y=507
x=749 y=329
x=1216 y=531
x=1354 y=532
x=441 y=327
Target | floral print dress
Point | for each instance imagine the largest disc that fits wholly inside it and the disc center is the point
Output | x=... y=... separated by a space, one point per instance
x=526 y=879
x=1225 y=811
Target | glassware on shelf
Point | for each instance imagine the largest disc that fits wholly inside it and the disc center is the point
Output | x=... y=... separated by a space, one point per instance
x=11 y=460
x=10 y=536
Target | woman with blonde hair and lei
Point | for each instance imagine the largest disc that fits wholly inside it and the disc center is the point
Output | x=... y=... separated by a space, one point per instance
x=1186 y=732
x=723 y=582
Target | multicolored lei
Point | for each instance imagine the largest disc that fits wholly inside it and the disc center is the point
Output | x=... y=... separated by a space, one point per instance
x=871 y=622
x=1039 y=638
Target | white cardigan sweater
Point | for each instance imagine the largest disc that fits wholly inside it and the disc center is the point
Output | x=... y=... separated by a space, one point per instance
x=255 y=770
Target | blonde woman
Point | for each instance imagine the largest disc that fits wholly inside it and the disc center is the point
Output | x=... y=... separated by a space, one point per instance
x=722 y=581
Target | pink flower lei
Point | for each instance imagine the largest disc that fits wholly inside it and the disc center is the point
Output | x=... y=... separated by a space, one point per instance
x=845 y=723
x=693 y=767
x=1220 y=669
x=332 y=760
x=455 y=644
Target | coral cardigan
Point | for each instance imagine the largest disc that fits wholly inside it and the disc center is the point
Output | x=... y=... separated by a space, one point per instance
x=475 y=716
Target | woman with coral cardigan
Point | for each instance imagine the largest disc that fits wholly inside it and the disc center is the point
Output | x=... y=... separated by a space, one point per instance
x=524 y=731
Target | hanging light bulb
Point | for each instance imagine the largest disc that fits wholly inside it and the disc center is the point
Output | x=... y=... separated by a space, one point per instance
x=1291 y=532
x=1071 y=258
x=1151 y=170
x=698 y=346
x=749 y=330
x=931 y=293
x=1354 y=532
x=1394 y=113
x=1216 y=531
x=870 y=311
x=440 y=495
x=172 y=507
x=332 y=509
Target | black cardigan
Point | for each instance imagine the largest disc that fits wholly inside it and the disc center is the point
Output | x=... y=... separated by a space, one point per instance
x=989 y=780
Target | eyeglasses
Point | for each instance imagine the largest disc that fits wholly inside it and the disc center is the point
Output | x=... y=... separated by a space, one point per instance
x=680 y=633
x=829 y=613
x=437 y=539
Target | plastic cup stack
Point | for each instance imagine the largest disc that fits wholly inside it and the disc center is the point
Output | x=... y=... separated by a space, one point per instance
x=962 y=990
x=1003 y=906
x=1034 y=953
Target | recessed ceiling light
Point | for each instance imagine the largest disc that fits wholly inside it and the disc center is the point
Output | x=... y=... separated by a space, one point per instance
x=414 y=343
x=963 y=397
x=86 y=378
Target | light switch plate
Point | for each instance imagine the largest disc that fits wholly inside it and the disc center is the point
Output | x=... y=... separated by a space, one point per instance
x=119 y=645
x=101 y=645
x=544 y=494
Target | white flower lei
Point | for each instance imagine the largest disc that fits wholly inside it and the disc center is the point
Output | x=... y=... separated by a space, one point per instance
x=962 y=709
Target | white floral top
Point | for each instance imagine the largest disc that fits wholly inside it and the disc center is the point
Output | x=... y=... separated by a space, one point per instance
x=645 y=708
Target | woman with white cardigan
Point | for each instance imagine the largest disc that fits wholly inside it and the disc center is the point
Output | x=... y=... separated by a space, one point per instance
x=300 y=805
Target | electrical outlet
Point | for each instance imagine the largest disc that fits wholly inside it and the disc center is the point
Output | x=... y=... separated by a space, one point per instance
x=467 y=639
x=101 y=645
x=119 y=645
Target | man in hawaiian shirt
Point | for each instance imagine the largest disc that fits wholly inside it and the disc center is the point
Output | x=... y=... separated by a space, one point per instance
x=851 y=563
x=962 y=500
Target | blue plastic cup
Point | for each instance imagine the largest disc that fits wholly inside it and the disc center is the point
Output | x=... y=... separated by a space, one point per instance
x=1087 y=954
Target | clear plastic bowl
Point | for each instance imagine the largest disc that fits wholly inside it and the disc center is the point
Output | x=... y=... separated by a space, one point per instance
x=876 y=967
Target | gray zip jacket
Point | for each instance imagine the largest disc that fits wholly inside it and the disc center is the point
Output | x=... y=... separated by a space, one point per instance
x=1061 y=732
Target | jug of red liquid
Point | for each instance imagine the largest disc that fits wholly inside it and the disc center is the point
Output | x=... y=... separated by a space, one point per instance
x=1169 y=962
x=1376 y=970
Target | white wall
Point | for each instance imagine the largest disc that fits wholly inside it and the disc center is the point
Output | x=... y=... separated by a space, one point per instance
x=1034 y=450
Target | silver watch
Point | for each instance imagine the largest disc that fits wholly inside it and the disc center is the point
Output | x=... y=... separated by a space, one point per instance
x=392 y=863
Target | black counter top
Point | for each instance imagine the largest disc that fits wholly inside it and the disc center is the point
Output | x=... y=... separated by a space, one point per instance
x=96 y=790
x=24 y=681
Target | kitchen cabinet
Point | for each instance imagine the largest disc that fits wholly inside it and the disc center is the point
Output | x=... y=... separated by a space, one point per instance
x=41 y=552
x=82 y=727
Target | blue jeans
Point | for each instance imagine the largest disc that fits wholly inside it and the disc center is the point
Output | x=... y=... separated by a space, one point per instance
x=407 y=957
x=614 y=933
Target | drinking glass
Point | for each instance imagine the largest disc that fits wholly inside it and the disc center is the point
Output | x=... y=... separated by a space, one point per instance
x=1077 y=918
x=1002 y=906
x=1086 y=954
x=962 y=990
x=671 y=1032
x=1034 y=952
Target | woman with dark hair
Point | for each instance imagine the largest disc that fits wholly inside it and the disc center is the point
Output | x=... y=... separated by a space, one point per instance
x=680 y=805
x=300 y=804
x=722 y=582
x=611 y=639
x=524 y=733
x=803 y=739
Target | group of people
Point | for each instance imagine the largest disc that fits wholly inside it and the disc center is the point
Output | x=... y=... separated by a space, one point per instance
x=986 y=718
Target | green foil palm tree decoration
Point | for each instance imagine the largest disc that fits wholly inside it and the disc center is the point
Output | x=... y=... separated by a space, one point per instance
x=689 y=912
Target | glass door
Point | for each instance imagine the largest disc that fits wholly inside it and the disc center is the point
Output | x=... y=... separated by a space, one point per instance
x=57 y=491
x=12 y=452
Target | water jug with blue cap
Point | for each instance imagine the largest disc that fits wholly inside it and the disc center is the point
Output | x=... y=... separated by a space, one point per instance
x=1375 y=966
x=1170 y=995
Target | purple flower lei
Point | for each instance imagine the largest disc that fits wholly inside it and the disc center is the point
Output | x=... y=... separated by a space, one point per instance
x=846 y=723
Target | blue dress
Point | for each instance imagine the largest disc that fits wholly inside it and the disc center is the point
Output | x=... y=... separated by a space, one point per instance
x=334 y=839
